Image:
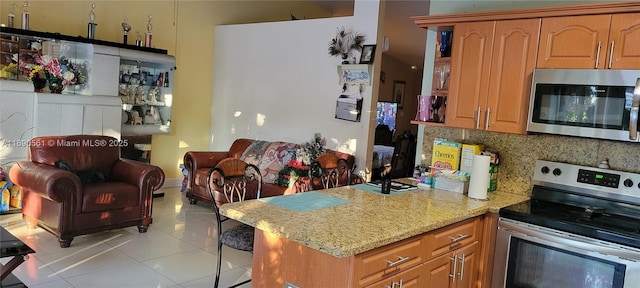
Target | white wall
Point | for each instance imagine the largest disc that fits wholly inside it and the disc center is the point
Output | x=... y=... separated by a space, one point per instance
x=276 y=81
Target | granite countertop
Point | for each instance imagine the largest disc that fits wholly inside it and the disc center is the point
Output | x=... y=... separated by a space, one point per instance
x=369 y=220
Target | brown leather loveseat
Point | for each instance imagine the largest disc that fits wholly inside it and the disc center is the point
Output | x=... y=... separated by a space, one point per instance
x=117 y=193
x=270 y=157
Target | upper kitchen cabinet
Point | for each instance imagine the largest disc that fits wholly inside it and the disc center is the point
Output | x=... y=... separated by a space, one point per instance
x=146 y=91
x=490 y=78
x=592 y=42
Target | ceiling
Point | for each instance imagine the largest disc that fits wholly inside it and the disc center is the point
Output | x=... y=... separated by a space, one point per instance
x=406 y=39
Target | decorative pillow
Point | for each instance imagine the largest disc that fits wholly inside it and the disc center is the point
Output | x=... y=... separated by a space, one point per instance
x=253 y=153
x=274 y=158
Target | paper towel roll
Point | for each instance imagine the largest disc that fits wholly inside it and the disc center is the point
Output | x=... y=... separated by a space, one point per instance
x=479 y=182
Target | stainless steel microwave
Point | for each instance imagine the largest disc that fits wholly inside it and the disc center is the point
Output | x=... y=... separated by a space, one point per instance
x=589 y=103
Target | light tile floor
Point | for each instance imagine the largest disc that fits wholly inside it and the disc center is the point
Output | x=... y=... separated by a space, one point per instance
x=178 y=250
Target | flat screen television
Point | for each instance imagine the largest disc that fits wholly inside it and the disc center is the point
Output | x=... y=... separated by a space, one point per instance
x=386 y=114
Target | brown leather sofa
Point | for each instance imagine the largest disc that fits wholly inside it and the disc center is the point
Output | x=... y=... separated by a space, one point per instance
x=67 y=203
x=270 y=157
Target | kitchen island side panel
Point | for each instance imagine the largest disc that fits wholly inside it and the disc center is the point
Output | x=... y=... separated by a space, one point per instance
x=277 y=260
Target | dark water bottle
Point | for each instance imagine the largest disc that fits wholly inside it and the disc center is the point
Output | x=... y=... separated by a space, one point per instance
x=386 y=186
x=386 y=180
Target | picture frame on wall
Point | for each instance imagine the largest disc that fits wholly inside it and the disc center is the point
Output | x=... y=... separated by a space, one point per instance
x=354 y=74
x=368 y=53
x=398 y=92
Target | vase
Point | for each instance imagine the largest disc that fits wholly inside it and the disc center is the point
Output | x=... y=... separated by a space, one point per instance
x=424 y=103
x=38 y=84
x=55 y=85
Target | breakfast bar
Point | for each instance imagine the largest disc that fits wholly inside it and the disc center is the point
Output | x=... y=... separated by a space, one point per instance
x=326 y=242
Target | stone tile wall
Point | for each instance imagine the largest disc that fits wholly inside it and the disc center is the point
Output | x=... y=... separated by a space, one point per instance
x=518 y=153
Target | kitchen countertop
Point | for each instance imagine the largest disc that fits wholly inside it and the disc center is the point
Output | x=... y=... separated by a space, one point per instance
x=369 y=220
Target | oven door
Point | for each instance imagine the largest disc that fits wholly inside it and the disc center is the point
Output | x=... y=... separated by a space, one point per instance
x=533 y=256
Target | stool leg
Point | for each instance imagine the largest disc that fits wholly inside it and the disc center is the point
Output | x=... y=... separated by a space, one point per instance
x=215 y=285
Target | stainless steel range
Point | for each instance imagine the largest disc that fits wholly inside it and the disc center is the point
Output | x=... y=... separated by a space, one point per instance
x=581 y=228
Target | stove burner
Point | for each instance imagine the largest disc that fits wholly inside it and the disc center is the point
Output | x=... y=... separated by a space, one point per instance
x=591 y=212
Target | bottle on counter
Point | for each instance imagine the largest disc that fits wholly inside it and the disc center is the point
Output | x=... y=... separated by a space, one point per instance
x=386 y=179
x=166 y=79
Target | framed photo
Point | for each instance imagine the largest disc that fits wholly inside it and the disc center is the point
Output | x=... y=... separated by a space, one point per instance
x=354 y=74
x=368 y=53
x=398 y=92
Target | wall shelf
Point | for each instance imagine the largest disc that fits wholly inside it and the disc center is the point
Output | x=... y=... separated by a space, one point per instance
x=427 y=123
x=58 y=36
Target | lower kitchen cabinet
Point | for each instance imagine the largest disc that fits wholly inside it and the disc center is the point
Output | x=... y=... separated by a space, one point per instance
x=457 y=269
x=431 y=259
x=411 y=278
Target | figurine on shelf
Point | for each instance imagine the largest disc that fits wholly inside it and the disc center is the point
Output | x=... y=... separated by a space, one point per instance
x=137 y=119
x=126 y=28
x=91 y=27
x=139 y=100
x=148 y=35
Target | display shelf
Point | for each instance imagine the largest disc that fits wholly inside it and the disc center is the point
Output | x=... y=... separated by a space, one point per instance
x=146 y=91
x=439 y=60
x=58 y=36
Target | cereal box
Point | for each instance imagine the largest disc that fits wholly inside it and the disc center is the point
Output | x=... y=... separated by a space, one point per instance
x=446 y=155
x=468 y=150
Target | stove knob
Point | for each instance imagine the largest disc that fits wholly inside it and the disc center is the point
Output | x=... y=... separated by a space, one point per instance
x=544 y=170
x=628 y=183
x=557 y=172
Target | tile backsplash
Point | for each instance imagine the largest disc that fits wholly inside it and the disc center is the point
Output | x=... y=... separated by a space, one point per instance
x=518 y=153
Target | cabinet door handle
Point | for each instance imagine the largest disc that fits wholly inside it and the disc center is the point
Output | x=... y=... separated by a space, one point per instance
x=611 y=54
x=455 y=268
x=459 y=238
x=398 y=262
x=462 y=267
x=478 y=118
x=598 y=54
x=400 y=284
x=486 y=120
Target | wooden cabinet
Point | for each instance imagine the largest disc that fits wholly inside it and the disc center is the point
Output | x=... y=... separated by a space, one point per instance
x=454 y=250
x=492 y=64
x=411 y=278
x=452 y=237
x=377 y=264
x=419 y=261
x=606 y=41
x=455 y=269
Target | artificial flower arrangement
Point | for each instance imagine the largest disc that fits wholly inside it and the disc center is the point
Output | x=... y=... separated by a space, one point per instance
x=305 y=155
x=62 y=71
x=345 y=42
x=290 y=173
x=9 y=71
